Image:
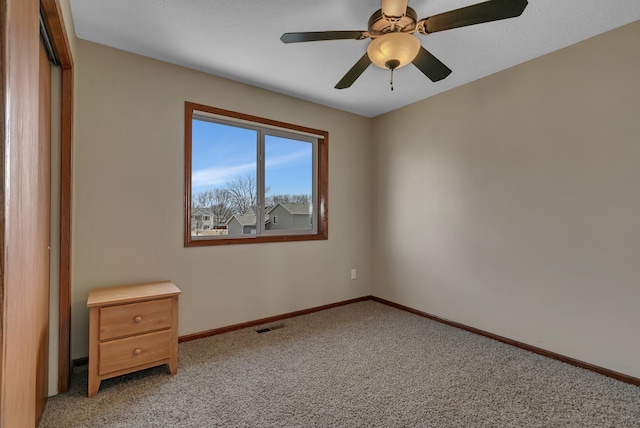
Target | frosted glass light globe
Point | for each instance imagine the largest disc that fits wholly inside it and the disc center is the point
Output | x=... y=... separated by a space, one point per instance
x=393 y=50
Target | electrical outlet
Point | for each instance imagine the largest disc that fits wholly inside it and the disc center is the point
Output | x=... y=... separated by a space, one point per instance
x=353 y=274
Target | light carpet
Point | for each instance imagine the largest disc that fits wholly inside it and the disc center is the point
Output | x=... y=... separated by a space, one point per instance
x=361 y=365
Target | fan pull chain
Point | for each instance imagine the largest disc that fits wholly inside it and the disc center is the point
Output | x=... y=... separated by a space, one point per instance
x=392 y=64
x=391 y=81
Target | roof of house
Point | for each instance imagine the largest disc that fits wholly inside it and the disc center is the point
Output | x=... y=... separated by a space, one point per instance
x=201 y=210
x=295 y=209
x=247 y=219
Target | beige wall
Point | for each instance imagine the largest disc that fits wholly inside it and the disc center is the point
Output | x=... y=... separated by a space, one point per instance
x=65 y=8
x=512 y=204
x=128 y=198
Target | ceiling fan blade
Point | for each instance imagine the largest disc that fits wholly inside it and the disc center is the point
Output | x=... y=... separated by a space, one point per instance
x=354 y=73
x=313 y=36
x=431 y=66
x=492 y=10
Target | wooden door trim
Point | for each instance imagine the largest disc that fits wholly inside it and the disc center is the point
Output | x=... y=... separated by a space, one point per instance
x=54 y=20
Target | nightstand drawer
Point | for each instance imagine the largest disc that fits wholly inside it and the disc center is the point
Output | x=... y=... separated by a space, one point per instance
x=134 y=351
x=135 y=318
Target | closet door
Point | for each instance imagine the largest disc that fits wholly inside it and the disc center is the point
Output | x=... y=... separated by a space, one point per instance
x=24 y=220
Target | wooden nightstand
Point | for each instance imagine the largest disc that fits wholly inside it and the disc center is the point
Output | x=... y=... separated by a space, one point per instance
x=132 y=327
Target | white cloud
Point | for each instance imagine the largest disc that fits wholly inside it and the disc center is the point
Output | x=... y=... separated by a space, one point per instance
x=285 y=159
x=219 y=175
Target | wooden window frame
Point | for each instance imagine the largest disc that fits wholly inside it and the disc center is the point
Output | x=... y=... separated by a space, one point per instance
x=322 y=190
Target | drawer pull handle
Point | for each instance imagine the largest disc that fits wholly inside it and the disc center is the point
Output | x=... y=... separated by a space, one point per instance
x=138 y=351
x=137 y=319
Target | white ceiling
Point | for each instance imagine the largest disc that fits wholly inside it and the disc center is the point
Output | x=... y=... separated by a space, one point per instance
x=240 y=40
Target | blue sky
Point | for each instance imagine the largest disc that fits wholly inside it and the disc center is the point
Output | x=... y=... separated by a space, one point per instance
x=221 y=153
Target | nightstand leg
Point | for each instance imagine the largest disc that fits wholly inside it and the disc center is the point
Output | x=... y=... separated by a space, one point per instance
x=94 y=386
x=173 y=358
x=94 y=380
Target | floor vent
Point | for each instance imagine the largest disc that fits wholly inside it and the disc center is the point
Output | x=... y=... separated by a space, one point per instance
x=273 y=327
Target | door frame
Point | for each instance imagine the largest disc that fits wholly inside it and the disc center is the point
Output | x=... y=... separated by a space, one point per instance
x=52 y=15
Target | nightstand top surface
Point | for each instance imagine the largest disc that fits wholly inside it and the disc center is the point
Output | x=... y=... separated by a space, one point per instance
x=131 y=293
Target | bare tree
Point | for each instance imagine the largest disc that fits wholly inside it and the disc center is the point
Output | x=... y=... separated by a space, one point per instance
x=273 y=200
x=243 y=193
x=197 y=224
x=198 y=200
x=219 y=202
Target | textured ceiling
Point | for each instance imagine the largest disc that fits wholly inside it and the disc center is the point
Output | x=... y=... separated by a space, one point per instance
x=240 y=40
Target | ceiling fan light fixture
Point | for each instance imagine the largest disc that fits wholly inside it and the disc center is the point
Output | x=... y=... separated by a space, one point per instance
x=393 y=50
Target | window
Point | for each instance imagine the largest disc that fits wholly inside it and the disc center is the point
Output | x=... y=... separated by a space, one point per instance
x=259 y=180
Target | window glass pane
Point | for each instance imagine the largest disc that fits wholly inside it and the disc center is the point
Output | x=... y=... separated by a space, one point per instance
x=288 y=171
x=223 y=180
x=250 y=179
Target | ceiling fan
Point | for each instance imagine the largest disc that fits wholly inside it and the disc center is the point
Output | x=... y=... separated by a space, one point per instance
x=393 y=44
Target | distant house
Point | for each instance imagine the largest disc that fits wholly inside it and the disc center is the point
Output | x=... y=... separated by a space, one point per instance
x=202 y=219
x=288 y=217
x=206 y=219
x=280 y=217
x=242 y=224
